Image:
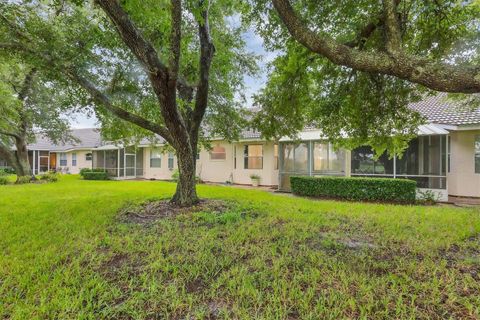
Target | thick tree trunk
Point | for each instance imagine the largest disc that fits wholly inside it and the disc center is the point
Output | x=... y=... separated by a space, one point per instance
x=22 y=166
x=186 y=193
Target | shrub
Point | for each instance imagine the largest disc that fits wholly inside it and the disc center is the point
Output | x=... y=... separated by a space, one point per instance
x=24 y=179
x=370 y=189
x=84 y=170
x=95 y=175
x=254 y=177
x=49 y=177
x=3 y=180
x=6 y=171
x=428 y=196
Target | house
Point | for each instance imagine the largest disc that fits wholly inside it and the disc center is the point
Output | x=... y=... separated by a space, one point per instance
x=444 y=157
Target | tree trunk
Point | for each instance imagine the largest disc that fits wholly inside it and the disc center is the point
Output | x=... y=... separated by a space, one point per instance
x=22 y=166
x=186 y=193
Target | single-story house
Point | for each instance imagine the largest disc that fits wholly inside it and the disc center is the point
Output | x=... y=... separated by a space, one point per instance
x=444 y=157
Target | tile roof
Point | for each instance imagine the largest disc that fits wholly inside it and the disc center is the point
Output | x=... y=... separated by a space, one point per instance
x=439 y=109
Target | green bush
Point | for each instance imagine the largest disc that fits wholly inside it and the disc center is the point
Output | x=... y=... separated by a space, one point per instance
x=370 y=189
x=85 y=170
x=6 y=171
x=95 y=175
x=24 y=180
x=49 y=176
x=3 y=180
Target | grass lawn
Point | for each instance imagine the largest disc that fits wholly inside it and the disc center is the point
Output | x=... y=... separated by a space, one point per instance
x=66 y=254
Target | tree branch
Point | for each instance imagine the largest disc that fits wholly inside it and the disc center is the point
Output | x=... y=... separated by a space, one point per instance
x=175 y=36
x=164 y=86
x=130 y=35
x=435 y=75
x=207 y=50
x=104 y=100
x=393 y=35
x=10 y=134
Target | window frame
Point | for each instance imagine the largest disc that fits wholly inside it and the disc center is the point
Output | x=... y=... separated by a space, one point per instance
x=171 y=161
x=476 y=153
x=74 y=159
x=152 y=152
x=224 y=153
x=60 y=159
x=246 y=156
x=88 y=156
x=276 y=149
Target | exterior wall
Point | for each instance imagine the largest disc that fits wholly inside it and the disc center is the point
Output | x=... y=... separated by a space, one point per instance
x=220 y=171
x=81 y=162
x=162 y=173
x=211 y=170
x=268 y=174
x=462 y=179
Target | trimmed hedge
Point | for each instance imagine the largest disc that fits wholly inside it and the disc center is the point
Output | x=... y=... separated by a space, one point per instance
x=85 y=170
x=95 y=175
x=369 y=189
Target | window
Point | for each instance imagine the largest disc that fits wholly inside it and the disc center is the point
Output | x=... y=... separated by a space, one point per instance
x=477 y=154
x=234 y=157
x=88 y=157
x=253 y=156
x=74 y=159
x=218 y=153
x=448 y=152
x=325 y=158
x=363 y=162
x=155 y=158
x=275 y=157
x=63 y=159
x=170 y=160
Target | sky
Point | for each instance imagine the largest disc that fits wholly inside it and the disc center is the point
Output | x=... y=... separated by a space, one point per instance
x=253 y=84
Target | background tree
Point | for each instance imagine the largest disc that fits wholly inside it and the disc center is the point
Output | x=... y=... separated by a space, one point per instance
x=353 y=81
x=29 y=105
x=148 y=63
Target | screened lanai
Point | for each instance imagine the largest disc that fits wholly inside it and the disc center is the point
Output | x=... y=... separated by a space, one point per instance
x=119 y=162
x=425 y=161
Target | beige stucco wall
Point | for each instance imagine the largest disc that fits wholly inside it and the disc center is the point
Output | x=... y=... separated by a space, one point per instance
x=162 y=173
x=462 y=179
x=81 y=161
x=220 y=171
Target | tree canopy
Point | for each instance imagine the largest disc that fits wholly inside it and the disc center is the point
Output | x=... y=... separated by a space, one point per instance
x=147 y=67
x=343 y=65
x=30 y=105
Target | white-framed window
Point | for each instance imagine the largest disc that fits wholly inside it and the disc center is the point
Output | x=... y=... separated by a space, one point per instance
x=477 y=154
x=88 y=157
x=218 y=153
x=171 y=160
x=63 y=159
x=253 y=156
x=234 y=157
x=155 y=158
x=74 y=159
x=275 y=157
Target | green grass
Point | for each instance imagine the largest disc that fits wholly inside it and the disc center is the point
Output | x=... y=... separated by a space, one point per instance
x=66 y=255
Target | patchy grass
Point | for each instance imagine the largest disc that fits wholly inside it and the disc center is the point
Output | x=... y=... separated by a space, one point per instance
x=68 y=251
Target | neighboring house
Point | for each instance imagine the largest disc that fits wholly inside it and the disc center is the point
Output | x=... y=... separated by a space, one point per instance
x=445 y=157
x=67 y=158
